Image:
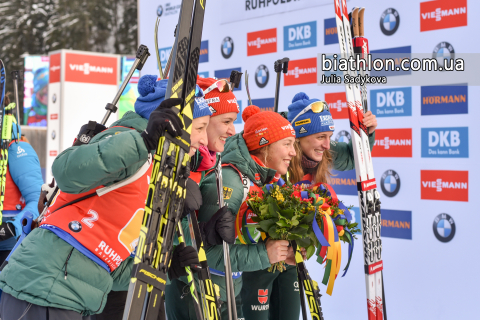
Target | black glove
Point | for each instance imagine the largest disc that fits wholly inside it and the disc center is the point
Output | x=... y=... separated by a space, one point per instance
x=7 y=230
x=220 y=227
x=183 y=257
x=162 y=119
x=193 y=198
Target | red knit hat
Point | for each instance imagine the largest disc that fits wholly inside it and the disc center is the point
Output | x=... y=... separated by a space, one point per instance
x=219 y=102
x=264 y=127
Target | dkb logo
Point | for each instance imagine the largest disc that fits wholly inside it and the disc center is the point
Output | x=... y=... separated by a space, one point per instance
x=298 y=36
x=391 y=102
x=445 y=142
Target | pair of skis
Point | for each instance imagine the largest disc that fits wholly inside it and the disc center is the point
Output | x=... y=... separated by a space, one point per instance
x=167 y=189
x=7 y=120
x=369 y=197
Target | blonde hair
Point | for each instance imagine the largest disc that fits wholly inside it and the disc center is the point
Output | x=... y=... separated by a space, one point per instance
x=322 y=173
x=262 y=154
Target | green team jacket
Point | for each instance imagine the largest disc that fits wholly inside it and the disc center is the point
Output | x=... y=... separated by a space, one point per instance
x=36 y=270
x=248 y=257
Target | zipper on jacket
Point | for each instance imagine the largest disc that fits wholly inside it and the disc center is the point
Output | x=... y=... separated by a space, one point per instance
x=66 y=263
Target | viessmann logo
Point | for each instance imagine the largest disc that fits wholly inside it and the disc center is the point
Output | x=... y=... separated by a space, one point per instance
x=86 y=68
x=301 y=72
x=444 y=185
x=261 y=42
x=337 y=102
x=442 y=14
x=393 y=143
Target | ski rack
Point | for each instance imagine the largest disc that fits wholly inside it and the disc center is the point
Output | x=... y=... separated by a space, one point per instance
x=279 y=66
x=167 y=189
x=369 y=198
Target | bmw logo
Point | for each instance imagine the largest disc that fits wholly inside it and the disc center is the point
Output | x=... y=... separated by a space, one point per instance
x=390 y=183
x=343 y=136
x=53 y=134
x=444 y=227
x=261 y=76
x=389 y=21
x=75 y=226
x=443 y=51
x=159 y=11
x=18 y=207
x=227 y=47
x=54 y=98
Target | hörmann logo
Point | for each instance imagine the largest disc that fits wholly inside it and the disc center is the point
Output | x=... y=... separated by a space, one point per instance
x=444 y=185
x=445 y=142
x=298 y=36
x=261 y=42
x=337 y=102
x=397 y=224
x=442 y=14
x=393 y=143
x=344 y=182
x=395 y=102
x=203 y=51
x=330 y=35
x=444 y=99
x=301 y=72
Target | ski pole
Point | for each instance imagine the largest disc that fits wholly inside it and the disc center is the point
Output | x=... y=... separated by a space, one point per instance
x=246 y=85
x=279 y=66
x=16 y=76
x=159 y=63
x=230 y=290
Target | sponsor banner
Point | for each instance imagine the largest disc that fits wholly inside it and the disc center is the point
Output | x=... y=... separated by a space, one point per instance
x=260 y=42
x=164 y=54
x=91 y=69
x=302 y=71
x=203 y=51
x=397 y=54
x=55 y=60
x=396 y=224
x=395 y=102
x=442 y=14
x=393 y=143
x=444 y=99
x=227 y=47
x=445 y=142
x=261 y=76
x=337 y=102
x=390 y=183
x=344 y=182
x=389 y=21
x=239 y=10
x=298 y=36
x=330 y=35
x=239 y=119
x=225 y=74
x=266 y=104
x=444 y=185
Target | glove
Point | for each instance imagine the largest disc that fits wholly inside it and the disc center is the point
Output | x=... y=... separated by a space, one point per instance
x=7 y=230
x=45 y=195
x=183 y=257
x=220 y=227
x=162 y=119
x=193 y=198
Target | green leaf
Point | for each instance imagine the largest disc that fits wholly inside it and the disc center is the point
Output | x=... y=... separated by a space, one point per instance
x=256 y=219
x=282 y=223
x=272 y=232
x=288 y=213
x=310 y=251
x=307 y=219
x=266 y=224
x=304 y=242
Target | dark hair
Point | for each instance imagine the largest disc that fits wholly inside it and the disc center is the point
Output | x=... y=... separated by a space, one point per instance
x=6 y=100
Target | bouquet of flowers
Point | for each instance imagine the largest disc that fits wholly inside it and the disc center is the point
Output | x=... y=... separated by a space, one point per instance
x=310 y=215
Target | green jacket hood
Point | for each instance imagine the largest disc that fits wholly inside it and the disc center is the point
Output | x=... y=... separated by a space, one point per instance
x=236 y=153
x=131 y=120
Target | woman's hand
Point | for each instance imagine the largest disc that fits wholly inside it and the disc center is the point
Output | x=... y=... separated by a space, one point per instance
x=370 y=121
x=277 y=250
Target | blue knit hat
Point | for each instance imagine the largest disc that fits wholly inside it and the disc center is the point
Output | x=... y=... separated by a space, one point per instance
x=310 y=122
x=152 y=93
